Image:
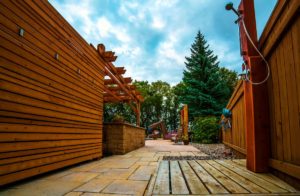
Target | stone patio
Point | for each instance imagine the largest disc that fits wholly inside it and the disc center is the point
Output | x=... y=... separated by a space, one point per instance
x=142 y=172
x=127 y=174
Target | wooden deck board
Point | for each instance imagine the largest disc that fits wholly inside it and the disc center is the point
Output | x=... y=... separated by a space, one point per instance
x=215 y=177
x=210 y=182
x=162 y=185
x=268 y=177
x=229 y=184
x=253 y=188
x=252 y=177
x=177 y=180
x=194 y=183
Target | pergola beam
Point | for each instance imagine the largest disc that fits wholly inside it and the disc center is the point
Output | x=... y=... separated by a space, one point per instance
x=120 y=89
x=117 y=88
x=120 y=70
x=112 y=81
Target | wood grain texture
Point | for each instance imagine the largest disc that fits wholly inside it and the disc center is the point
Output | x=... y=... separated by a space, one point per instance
x=235 y=137
x=279 y=43
x=51 y=109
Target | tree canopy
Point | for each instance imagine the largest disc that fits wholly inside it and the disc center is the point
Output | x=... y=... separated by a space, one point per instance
x=160 y=103
x=205 y=86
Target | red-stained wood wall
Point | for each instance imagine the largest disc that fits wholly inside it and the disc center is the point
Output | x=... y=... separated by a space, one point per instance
x=280 y=44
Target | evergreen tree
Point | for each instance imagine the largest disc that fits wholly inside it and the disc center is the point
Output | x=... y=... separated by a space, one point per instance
x=204 y=88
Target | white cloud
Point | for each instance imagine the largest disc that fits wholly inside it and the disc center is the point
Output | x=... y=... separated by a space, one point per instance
x=151 y=38
x=157 y=23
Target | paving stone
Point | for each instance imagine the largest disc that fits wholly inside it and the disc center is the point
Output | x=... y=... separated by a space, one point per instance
x=144 y=154
x=101 y=194
x=153 y=164
x=74 y=194
x=142 y=163
x=45 y=187
x=148 y=159
x=79 y=177
x=121 y=163
x=99 y=169
x=57 y=175
x=94 y=185
x=143 y=173
x=116 y=174
x=126 y=187
x=87 y=166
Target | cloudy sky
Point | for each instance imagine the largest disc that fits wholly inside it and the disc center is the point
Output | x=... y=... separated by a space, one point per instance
x=152 y=37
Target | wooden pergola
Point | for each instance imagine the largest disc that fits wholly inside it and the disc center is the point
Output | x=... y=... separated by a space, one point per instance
x=118 y=88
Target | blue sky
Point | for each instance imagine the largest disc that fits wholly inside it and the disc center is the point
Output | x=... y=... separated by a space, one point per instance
x=152 y=37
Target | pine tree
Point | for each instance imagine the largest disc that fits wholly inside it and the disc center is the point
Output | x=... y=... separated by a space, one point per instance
x=204 y=89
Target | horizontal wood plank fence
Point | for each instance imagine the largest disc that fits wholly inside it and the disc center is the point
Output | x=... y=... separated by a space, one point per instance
x=51 y=92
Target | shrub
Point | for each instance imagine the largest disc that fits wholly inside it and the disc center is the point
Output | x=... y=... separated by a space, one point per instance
x=205 y=129
x=118 y=118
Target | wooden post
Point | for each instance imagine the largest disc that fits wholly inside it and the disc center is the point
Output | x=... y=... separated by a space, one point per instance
x=138 y=113
x=185 y=120
x=255 y=96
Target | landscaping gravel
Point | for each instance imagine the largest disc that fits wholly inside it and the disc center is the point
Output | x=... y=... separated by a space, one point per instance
x=213 y=151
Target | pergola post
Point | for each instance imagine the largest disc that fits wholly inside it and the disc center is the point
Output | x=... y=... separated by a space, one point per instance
x=138 y=114
x=255 y=96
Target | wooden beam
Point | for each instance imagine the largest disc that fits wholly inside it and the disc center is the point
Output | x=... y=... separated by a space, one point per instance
x=185 y=120
x=108 y=56
x=110 y=81
x=120 y=99
x=115 y=72
x=255 y=96
x=117 y=88
x=237 y=148
x=132 y=107
x=112 y=68
x=115 y=93
x=120 y=70
x=285 y=167
x=111 y=94
x=138 y=114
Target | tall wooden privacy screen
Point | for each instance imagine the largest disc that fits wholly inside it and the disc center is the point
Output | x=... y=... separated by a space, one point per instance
x=51 y=96
x=280 y=44
x=52 y=91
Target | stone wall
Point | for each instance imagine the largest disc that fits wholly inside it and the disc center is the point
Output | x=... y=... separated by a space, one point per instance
x=120 y=138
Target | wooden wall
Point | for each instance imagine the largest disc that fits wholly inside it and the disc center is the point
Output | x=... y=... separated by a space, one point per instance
x=280 y=43
x=235 y=137
x=50 y=108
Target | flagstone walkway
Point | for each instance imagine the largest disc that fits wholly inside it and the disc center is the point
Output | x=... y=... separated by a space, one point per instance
x=142 y=172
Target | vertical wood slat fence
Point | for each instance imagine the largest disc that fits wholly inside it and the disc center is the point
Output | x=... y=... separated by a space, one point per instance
x=51 y=92
x=235 y=136
x=280 y=44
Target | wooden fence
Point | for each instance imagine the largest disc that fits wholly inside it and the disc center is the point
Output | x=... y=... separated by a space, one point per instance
x=51 y=92
x=280 y=44
x=235 y=136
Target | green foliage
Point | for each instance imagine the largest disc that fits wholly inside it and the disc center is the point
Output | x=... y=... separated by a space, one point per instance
x=112 y=110
x=205 y=129
x=206 y=88
x=160 y=103
x=118 y=118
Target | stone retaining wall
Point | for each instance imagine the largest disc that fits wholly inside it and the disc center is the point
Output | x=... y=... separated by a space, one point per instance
x=121 y=138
